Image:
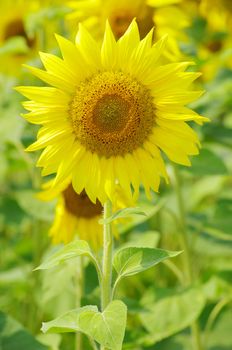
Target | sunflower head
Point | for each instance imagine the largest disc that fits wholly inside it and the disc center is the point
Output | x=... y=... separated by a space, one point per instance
x=76 y=215
x=80 y=205
x=111 y=111
x=120 y=14
x=218 y=14
x=13 y=27
x=106 y=114
x=12 y=23
x=165 y=16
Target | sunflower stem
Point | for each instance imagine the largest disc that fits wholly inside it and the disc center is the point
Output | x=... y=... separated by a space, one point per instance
x=107 y=258
x=80 y=293
x=106 y=287
x=187 y=258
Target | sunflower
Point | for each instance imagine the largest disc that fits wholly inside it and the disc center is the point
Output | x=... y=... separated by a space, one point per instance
x=165 y=16
x=75 y=214
x=218 y=14
x=215 y=54
x=110 y=113
x=12 y=27
x=213 y=47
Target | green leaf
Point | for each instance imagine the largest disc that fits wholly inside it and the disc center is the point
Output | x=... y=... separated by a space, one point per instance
x=108 y=327
x=217 y=288
x=218 y=133
x=132 y=260
x=122 y=213
x=68 y=322
x=219 y=225
x=11 y=124
x=69 y=251
x=220 y=337
x=172 y=314
x=14 y=336
x=208 y=163
x=148 y=239
x=53 y=341
x=14 y=45
x=33 y=206
x=151 y=209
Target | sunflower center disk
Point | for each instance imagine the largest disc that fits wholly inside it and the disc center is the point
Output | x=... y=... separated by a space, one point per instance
x=112 y=114
x=227 y=4
x=80 y=205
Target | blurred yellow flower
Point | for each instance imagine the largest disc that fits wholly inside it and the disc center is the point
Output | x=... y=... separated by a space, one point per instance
x=110 y=112
x=215 y=55
x=75 y=215
x=12 y=27
x=163 y=15
x=218 y=14
x=214 y=47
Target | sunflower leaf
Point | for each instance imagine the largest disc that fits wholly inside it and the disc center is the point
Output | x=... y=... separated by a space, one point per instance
x=132 y=260
x=174 y=313
x=122 y=213
x=69 y=251
x=68 y=322
x=14 y=336
x=14 y=45
x=107 y=327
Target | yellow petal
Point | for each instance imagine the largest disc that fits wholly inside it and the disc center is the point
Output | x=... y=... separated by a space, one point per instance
x=108 y=51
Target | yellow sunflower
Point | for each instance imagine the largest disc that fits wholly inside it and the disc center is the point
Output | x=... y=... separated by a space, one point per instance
x=75 y=214
x=191 y=7
x=214 y=49
x=13 y=26
x=215 y=55
x=218 y=14
x=111 y=111
x=164 y=15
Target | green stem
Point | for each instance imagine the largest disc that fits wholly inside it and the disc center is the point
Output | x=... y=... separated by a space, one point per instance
x=212 y=317
x=93 y=344
x=183 y=234
x=176 y=271
x=106 y=292
x=80 y=292
x=187 y=258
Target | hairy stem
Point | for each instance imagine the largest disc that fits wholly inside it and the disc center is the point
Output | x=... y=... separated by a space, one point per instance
x=80 y=292
x=187 y=258
x=106 y=292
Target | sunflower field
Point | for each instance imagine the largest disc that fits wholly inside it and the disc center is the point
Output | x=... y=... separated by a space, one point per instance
x=115 y=175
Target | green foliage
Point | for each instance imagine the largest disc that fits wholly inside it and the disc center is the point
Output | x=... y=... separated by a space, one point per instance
x=36 y=208
x=208 y=163
x=171 y=314
x=69 y=322
x=107 y=327
x=132 y=260
x=69 y=251
x=15 y=45
x=14 y=336
x=122 y=213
